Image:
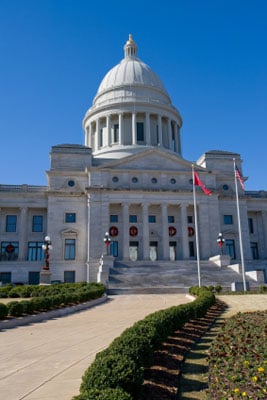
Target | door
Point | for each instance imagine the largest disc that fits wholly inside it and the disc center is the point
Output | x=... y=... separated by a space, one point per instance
x=230 y=248
x=153 y=251
x=172 y=247
x=133 y=251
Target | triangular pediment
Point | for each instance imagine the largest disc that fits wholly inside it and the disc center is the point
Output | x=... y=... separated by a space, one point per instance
x=150 y=160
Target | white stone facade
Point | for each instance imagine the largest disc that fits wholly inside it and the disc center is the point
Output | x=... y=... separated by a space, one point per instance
x=129 y=179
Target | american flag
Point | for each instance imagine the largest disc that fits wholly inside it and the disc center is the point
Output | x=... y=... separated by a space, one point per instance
x=239 y=177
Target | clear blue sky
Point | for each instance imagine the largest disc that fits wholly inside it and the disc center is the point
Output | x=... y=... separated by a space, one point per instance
x=210 y=54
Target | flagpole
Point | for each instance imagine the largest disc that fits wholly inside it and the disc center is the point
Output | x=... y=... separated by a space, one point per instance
x=239 y=231
x=196 y=226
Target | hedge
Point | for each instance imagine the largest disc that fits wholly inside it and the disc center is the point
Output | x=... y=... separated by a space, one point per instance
x=50 y=297
x=104 y=394
x=121 y=365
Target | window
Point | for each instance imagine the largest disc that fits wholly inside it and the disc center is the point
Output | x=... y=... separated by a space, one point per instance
x=132 y=218
x=113 y=218
x=134 y=179
x=101 y=138
x=140 y=131
x=116 y=133
x=70 y=249
x=71 y=183
x=70 y=217
x=250 y=225
x=35 y=251
x=69 y=276
x=9 y=251
x=5 y=277
x=115 y=179
x=228 y=219
x=173 y=181
x=11 y=223
x=154 y=180
x=37 y=223
x=189 y=219
x=152 y=219
x=254 y=250
x=170 y=219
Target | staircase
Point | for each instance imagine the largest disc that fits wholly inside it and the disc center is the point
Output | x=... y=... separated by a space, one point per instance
x=169 y=277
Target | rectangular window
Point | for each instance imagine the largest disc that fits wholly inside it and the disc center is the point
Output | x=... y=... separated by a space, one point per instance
x=9 y=251
x=11 y=223
x=189 y=219
x=37 y=223
x=34 y=277
x=35 y=251
x=170 y=219
x=5 y=277
x=69 y=276
x=113 y=218
x=70 y=249
x=228 y=219
x=70 y=217
x=140 y=131
x=116 y=133
x=152 y=219
x=101 y=138
x=254 y=250
x=133 y=218
x=250 y=225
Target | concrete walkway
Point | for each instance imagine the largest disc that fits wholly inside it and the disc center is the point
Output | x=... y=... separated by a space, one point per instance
x=46 y=360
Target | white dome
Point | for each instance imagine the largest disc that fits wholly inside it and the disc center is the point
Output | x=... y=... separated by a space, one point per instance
x=133 y=76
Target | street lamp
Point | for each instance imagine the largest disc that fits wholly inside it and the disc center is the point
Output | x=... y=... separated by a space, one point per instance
x=46 y=247
x=220 y=242
x=107 y=241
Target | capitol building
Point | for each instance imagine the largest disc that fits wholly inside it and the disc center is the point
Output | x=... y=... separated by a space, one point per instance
x=129 y=180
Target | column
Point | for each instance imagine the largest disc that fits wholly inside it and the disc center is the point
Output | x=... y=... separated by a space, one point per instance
x=165 y=232
x=125 y=224
x=108 y=130
x=148 y=134
x=133 y=128
x=97 y=135
x=145 y=232
x=184 y=232
x=159 y=130
x=23 y=231
x=169 y=133
x=120 y=127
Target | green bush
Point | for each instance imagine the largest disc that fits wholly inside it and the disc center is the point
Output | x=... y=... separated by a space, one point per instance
x=15 y=308
x=3 y=311
x=122 y=363
x=113 y=370
x=104 y=394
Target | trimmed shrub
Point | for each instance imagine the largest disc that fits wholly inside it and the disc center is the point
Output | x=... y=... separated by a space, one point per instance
x=3 y=311
x=112 y=370
x=104 y=394
x=15 y=308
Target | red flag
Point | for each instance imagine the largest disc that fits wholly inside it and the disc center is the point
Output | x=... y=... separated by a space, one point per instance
x=198 y=182
x=239 y=177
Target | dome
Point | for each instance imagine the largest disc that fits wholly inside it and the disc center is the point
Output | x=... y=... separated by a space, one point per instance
x=134 y=76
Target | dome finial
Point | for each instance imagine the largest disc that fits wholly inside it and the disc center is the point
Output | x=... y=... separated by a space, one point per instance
x=130 y=48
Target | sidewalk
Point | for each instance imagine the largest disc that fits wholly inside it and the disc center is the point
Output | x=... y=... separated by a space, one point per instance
x=46 y=360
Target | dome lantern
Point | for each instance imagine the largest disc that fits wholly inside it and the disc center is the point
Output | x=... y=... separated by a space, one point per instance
x=130 y=48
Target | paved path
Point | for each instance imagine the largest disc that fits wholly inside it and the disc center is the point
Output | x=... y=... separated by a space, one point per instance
x=45 y=361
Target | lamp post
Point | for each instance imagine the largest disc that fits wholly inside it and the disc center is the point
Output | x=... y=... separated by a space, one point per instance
x=107 y=241
x=47 y=246
x=220 y=242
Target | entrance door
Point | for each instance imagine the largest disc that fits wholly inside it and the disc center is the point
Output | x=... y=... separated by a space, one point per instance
x=172 y=247
x=133 y=251
x=230 y=248
x=153 y=251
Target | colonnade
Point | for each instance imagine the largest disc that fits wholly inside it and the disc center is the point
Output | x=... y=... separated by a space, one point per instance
x=167 y=133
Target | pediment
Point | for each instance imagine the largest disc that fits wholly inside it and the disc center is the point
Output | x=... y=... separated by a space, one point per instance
x=151 y=160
